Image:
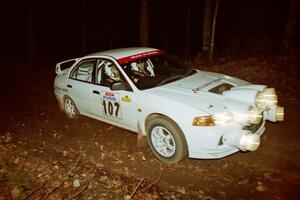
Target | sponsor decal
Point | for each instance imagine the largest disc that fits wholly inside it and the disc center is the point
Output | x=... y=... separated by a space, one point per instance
x=109 y=96
x=139 y=56
x=126 y=98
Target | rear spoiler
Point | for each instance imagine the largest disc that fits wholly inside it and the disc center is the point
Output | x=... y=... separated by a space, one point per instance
x=61 y=67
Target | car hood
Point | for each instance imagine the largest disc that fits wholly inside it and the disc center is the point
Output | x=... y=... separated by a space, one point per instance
x=210 y=92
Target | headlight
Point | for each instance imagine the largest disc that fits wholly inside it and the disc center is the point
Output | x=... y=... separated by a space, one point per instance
x=254 y=117
x=266 y=99
x=212 y=120
x=223 y=118
x=204 y=121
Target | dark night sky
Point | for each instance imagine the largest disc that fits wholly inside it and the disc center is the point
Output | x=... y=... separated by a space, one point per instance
x=254 y=25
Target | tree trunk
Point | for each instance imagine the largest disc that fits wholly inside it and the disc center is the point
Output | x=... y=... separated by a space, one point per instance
x=290 y=30
x=144 y=27
x=31 y=41
x=111 y=23
x=207 y=27
x=2 y=40
x=166 y=25
x=83 y=27
x=213 y=31
x=188 y=29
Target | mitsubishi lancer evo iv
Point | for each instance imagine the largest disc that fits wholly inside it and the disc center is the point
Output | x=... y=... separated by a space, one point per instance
x=183 y=112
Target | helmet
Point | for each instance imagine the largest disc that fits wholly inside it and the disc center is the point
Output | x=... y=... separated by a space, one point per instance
x=134 y=67
x=111 y=73
x=149 y=69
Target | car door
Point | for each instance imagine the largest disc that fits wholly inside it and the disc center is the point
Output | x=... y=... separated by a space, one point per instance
x=116 y=107
x=80 y=84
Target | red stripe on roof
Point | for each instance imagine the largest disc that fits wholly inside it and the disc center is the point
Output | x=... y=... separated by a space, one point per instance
x=140 y=56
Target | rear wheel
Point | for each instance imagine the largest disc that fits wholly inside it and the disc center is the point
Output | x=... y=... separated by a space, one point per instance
x=166 y=140
x=70 y=108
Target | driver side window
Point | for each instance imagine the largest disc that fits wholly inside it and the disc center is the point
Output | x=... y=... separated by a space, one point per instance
x=107 y=73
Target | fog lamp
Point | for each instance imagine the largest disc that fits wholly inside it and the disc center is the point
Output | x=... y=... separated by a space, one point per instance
x=267 y=98
x=279 y=113
x=249 y=142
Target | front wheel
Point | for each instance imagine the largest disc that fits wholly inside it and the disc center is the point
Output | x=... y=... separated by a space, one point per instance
x=166 y=140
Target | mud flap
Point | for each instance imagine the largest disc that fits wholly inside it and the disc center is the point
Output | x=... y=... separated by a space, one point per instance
x=141 y=139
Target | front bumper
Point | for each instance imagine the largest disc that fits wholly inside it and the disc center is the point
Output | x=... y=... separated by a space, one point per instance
x=221 y=141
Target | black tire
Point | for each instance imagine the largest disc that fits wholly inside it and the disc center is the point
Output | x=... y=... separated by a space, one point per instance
x=177 y=149
x=70 y=108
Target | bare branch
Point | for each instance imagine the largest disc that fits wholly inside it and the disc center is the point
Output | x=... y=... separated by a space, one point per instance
x=133 y=193
x=33 y=191
x=157 y=180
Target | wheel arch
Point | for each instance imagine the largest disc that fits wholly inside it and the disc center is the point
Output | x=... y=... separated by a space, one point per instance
x=150 y=117
x=155 y=115
x=63 y=100
x=65 y=96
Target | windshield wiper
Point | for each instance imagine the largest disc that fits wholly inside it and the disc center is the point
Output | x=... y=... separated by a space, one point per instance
x=170 y=79
x=190 y=72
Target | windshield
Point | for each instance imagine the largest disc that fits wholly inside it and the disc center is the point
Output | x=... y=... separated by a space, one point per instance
x=156 y=71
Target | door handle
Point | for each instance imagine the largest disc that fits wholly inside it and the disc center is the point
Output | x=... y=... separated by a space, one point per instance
x=96 y=92
x=69 y=86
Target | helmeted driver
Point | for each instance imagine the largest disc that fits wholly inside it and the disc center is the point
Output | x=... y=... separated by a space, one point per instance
x=112 y=73
x=141 y=69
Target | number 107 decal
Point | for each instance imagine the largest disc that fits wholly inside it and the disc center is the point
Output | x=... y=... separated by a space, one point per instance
x=111 y=108
x=111 y=105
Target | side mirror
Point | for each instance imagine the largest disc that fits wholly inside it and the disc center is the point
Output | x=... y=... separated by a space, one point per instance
x=118 y=86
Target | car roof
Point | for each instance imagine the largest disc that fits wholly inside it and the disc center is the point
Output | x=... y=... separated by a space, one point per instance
x=123 y=52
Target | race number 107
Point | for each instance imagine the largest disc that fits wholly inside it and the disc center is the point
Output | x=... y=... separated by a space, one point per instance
x=111 y=108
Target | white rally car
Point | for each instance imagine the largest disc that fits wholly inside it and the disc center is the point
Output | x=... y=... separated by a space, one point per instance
x=183 y=112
